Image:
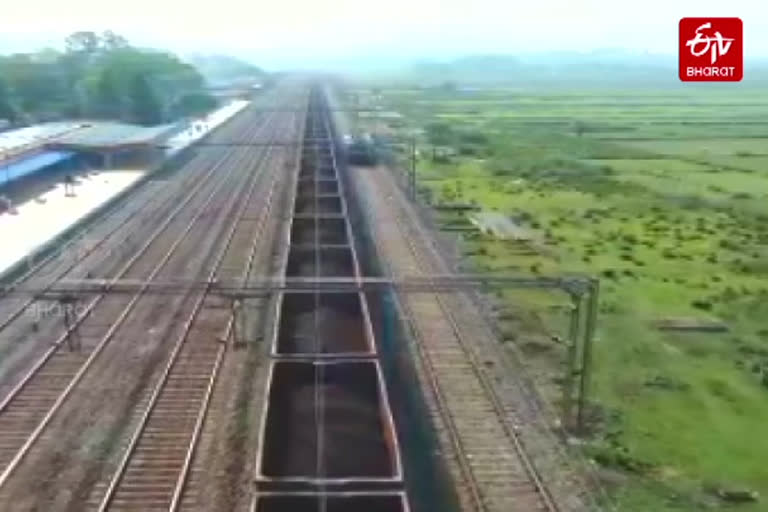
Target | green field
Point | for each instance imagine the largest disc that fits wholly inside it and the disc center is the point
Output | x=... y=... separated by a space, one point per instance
x=664 y=195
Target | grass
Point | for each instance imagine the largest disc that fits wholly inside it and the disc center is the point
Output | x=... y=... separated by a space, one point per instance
x=670 y=212
x=703 y=147
x=686 y=178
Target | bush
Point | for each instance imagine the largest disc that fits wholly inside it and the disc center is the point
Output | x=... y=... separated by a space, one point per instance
x=440 y=133
x=630 y=239
x=194 y=104
x=473 y=138
x=668 y=254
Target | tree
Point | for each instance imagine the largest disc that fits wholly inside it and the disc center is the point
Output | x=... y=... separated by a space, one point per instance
x=194 y=104
x=6 y=107
x=221 y=68
x=37 y=85
x=46 y=55
x=440 y=134
x=100 y=76
x=147 y=109
x=112 y=82
x=81 y=48
x=108 y=100
x=449 y=86
x=83 y=42
x=111 y=41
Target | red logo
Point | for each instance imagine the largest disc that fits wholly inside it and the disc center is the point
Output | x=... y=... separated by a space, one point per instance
x=711 y=50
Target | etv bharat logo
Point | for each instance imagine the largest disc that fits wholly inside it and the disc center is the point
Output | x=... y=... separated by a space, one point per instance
x=711 y=50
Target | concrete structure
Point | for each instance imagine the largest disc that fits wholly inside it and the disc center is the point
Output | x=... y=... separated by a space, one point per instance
x=500 y=226
x=19 y=142
x=184 y=138
x=17 y=168
x=42 y=218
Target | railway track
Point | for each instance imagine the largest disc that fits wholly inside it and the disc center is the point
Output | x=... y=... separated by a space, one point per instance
x=153 y=472
x=29 y=407
x=327 y=439
x=497 y=476
x=94 y=251
x=214 y=230
x=114 y=220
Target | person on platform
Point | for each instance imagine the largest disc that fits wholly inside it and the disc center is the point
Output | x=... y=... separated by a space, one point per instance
x=69 y=185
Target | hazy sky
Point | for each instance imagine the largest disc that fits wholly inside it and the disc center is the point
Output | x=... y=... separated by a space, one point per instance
x=298 y=31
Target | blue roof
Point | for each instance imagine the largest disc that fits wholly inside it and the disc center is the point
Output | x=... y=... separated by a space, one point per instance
x=32 y=164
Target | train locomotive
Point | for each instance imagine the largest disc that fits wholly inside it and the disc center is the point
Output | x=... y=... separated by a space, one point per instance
x=360 y=149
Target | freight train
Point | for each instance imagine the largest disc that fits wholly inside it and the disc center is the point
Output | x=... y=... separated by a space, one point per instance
x=360 y=149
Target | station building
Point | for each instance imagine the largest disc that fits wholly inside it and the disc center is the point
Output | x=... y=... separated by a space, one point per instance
x=53 y=150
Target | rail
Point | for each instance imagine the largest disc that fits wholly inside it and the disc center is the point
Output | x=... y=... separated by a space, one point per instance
x=182 y=342
x=463 y=458
x=80 y=371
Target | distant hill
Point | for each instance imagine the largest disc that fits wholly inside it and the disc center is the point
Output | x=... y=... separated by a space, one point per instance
x=223 y=69
x=603 y=67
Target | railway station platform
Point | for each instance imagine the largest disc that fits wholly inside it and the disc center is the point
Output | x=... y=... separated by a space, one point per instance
x=44 y=210
x=41 y=219
x=21 y=142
